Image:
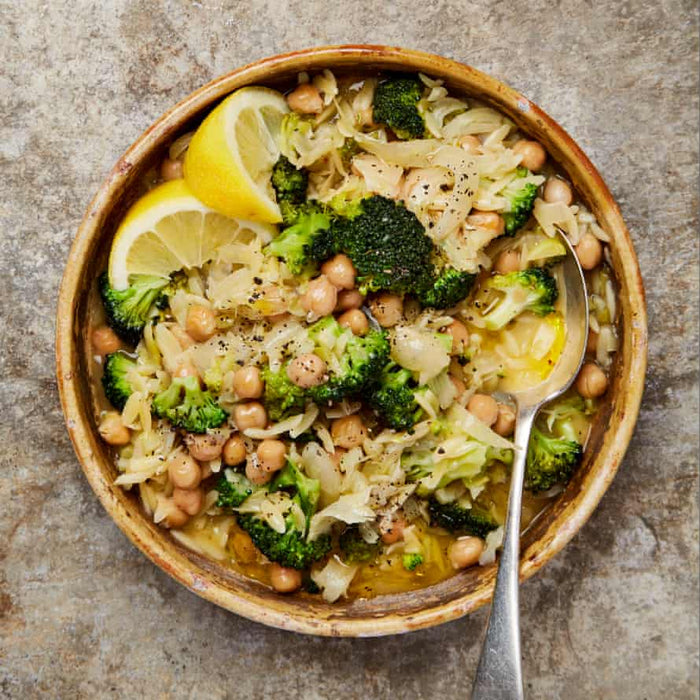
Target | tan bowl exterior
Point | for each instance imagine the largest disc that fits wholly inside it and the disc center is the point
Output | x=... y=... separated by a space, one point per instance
x=303 y=613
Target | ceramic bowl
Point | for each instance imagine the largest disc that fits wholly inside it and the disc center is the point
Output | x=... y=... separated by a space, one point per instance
x=383 y=615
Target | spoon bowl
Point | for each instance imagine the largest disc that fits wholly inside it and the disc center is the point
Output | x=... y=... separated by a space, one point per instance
x=499 y=674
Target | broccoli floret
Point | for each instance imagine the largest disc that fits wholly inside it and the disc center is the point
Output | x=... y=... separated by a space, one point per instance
x=306 y=241
x=290 y=184
x=291 y=548
x=354 y=549
x=116 y=385
x=394 y=400
x=303 y=488
x=412 y=561
x=387 y=245
x=550 y=460
x=396 y=105
x=186 y=405
x=128 y=310
x=282 y=397
x=521 y=199
x=361 y=360
x=527 y=290
x=453 y=517
x=233 y=488
x=447 y=289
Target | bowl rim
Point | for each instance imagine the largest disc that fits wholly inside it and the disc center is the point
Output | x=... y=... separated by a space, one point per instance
x=279 y=613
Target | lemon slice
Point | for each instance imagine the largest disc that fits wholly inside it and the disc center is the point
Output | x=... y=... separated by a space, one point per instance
x=230 y=158
x=169 y=229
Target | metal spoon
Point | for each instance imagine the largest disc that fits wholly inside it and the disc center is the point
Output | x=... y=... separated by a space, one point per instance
x=499 y=674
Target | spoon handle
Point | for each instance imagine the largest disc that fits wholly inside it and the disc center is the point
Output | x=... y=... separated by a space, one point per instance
x=499 y=675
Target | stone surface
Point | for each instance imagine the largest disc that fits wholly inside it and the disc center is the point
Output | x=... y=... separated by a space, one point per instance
x=83 y=613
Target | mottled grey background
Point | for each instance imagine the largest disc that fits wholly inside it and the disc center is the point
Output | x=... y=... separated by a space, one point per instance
x=82 y=613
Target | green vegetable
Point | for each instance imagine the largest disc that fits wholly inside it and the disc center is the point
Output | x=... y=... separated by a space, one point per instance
x=361 y=360
x=387 y=245
x=116 y=385
x=128 y=310
x=447 y=289
x=455 y=518
x=305 y=240
x=282 y=397
x=186 y=405
x=233 y=488
x=411 y=561
x=396 y=105
x=393 y=398
x=520 y=195
x=550 y=460
x=291 y=548
x=290 y=184
x=527 y=290
x=354 y=549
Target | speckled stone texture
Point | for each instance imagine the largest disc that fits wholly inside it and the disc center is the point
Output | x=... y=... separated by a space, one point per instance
x=83 y=613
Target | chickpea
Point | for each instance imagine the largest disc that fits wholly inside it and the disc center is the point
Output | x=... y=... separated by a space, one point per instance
x=591 y=381
x=589 y=251
x=250 y=415
x=105 y=341
x=387 y=309
x=284 y=579
x=171 y=169
x=505 y=423
x=484 y=407
x=340 y=271
x=592 y=342
x=349 y=299
x=320 y=297
x=174 y=516
x=256 y=474
x=391 y=528
x=234 y=451
x=112 y=430
x=307 y=370
x=355 y=320
x=188 y=500
x=507 y=261
x=487 y=220
x=305 y=99
x=201 y=322
x=248 y=383
x=460 y=336
x=272 y=455
x=348 y=432
x=532 y=152
x=558 y=190
x=470 y=144
x=185 y=369
x=458 y=384
x=465 y=552
x=204 y=447
x=184 y=472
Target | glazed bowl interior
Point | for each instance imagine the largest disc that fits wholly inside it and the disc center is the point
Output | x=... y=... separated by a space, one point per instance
x=302 y=612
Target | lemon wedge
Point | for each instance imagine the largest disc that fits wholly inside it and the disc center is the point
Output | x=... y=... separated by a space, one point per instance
x=169 y=229
x=230 y=158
